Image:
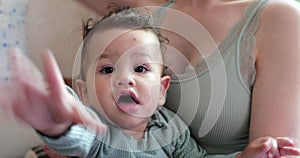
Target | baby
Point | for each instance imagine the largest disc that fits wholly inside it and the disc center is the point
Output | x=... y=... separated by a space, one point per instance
x=122 y=79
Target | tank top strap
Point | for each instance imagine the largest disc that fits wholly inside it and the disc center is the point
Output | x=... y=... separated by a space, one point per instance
x=246 y=43
x=160 y=14
x=252 y=15
x=169 y=3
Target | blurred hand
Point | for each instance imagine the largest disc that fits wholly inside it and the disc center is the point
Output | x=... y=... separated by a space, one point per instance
x=45 y=104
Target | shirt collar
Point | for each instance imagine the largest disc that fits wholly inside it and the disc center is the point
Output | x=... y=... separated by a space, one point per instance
x=157 y=120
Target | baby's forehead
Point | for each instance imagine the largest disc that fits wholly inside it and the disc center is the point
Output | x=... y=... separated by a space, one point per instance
x=134 y=54
x=114 y=41
x=114 y=34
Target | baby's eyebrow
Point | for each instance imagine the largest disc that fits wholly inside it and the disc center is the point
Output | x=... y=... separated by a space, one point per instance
x=105 y=55
x=143 y=54
x=110 y=55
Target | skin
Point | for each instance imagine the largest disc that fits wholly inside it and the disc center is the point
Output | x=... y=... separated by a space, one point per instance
x=276 y=89
x=131 y=64
x=277 y=86
x=55 y=109
x=260 y=148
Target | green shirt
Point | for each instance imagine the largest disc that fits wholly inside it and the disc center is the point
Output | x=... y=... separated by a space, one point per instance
x=166 y=136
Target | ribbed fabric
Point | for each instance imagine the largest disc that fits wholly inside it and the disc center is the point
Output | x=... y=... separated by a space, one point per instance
x=166 y=137
x=216 y=104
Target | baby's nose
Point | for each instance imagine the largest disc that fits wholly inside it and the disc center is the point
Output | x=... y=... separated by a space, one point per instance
x=125 y=79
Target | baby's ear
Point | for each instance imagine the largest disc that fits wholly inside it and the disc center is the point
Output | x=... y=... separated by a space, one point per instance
x=81 y=89
x=165 y=83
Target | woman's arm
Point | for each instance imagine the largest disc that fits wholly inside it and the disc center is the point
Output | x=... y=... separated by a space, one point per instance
x=276 y=93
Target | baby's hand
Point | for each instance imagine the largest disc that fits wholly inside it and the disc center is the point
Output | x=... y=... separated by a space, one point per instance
x=285 y=147
x=268 y=147
x=46 y=105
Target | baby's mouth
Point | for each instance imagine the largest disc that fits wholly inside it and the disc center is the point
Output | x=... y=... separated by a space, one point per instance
x=128 y=103
x=128 y=99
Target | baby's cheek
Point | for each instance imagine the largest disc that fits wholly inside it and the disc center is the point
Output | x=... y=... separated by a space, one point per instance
x=151 y=101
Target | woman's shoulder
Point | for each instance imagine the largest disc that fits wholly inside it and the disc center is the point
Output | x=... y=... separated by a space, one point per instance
x=281 y=9
x=280 y=17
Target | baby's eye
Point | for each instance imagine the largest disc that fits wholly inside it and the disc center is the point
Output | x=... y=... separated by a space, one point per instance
x=107 y=70
x=140 y=69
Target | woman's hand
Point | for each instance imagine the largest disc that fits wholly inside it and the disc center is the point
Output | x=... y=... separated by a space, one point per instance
x=45 y=105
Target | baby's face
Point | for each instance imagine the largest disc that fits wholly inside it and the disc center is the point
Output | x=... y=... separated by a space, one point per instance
x=126 y=80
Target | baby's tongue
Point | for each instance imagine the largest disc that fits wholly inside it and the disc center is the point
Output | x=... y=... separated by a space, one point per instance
x=127 y=104
x=126 y=99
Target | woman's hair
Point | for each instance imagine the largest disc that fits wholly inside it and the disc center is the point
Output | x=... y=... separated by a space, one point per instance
x=120 y=17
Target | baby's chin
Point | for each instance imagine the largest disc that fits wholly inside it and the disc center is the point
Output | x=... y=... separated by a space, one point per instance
x=133 y=124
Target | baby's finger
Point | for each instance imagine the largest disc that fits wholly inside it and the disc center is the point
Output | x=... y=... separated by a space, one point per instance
x=53 y=75
x=273 y=152
x=289 y=151
x=286 y=141
x=24 y=70
x=58 y=97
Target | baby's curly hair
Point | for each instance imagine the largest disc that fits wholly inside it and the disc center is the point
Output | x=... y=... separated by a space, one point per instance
x=90 y=24
x=122 y=17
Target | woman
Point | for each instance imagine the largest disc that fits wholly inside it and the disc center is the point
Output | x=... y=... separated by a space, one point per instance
x=257 y=94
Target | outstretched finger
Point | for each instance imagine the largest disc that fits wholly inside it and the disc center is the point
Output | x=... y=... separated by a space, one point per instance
x=24 y=70
x=64 y=103
x=53 y=75
x=58 y=95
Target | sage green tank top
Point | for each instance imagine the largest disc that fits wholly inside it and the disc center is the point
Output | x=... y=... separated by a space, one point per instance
x=216 y=102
